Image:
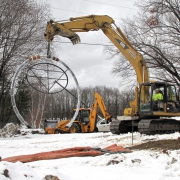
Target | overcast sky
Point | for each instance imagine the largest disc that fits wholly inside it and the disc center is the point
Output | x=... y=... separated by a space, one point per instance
x=88 y=62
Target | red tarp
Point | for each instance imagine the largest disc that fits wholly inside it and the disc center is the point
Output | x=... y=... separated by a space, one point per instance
x=68 y=152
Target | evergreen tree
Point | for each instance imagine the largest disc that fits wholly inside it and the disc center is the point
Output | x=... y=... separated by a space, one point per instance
x=23 y=97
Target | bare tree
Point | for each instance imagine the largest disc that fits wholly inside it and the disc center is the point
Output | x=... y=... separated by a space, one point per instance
x=22 y=24
x=155 y=32
x=61 y=105
x=36 y=109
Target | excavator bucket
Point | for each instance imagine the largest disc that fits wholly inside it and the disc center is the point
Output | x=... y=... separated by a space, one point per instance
x=53 y=29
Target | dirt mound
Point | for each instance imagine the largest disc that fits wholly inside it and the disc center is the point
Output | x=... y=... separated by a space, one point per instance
x=164 y=145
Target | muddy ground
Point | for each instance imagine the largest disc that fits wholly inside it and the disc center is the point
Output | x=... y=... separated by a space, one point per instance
x=163 y=145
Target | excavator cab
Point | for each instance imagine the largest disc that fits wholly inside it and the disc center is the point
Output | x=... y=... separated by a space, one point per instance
x=167 y=106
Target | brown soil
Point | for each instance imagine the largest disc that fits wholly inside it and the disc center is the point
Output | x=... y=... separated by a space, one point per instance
x=164 y=145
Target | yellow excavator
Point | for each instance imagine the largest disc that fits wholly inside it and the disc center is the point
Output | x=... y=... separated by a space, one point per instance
x=85 y=121
x=144 y=114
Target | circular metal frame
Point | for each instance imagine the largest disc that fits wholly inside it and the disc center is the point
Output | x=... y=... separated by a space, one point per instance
x=12 y=92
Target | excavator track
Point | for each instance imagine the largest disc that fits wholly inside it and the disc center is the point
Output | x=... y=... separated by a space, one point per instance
x=117 y=127
x=158 y=126
x=114 y=127
x=146 y=126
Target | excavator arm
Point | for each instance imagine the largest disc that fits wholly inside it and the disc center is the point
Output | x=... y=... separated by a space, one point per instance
x=105 y=23
x=94 y=23
x=80 y=24
x=98 y=103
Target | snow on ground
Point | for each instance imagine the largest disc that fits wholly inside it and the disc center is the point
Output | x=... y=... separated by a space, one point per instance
x=141 y=165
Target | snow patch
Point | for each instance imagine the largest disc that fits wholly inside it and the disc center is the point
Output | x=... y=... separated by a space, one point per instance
x=9 y=130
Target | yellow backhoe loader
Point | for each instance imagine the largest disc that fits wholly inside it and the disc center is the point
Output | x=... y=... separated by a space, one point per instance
x=85 y=121
x=143 y=115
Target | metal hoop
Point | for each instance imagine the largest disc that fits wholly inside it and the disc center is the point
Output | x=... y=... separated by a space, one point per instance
x=12 y=92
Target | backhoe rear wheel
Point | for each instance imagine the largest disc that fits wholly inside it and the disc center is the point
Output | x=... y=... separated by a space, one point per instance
x=57 y=131
x=75 y=128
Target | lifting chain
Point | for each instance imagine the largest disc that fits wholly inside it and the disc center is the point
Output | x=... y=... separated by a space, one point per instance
x=48 y=51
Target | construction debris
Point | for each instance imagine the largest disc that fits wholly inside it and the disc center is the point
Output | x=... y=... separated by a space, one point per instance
x=9 y=130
